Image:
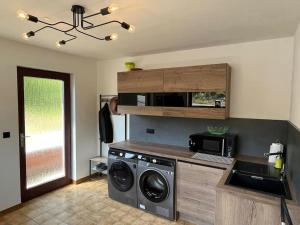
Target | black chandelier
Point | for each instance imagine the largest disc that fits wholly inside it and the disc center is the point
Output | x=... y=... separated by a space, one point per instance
x=78 y=20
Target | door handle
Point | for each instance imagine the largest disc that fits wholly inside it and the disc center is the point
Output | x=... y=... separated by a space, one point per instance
x=22 y=139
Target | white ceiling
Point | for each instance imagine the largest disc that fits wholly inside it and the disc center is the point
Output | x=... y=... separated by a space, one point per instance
x=161 y=25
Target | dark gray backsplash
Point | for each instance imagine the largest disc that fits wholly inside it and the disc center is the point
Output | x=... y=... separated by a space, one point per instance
x=293 y=157
x=254 y=136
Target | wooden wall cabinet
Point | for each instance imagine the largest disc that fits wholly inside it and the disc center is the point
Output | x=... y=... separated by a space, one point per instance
x=196 y=78
x=206 y=78
x=141 y=81
x=196 y=192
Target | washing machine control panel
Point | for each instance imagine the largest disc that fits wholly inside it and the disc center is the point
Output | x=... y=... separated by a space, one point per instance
x=144 y=158
x=116 y=153
x=156 y=160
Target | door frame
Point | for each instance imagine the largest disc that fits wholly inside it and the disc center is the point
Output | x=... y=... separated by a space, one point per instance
x=52 y=185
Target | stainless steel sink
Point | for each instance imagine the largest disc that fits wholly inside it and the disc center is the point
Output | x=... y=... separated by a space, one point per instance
x=258 y=177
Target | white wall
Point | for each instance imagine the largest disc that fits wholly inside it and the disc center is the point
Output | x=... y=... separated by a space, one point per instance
x=295 y=96
x=261 y=74
x=84 y=75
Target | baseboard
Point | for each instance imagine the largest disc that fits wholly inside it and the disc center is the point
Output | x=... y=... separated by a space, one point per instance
x=81 y=180
x=11 y=209
x=84 y=179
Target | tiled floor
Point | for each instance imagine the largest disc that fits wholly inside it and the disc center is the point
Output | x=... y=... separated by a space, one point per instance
x=83 y=204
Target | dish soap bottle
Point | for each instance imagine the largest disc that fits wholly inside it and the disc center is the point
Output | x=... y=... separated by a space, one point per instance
x=278 y=162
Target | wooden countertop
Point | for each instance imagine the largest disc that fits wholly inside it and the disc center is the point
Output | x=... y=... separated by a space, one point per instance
x=167 y=151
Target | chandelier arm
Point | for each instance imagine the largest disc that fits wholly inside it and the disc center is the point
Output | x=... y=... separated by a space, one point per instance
x=101 y=39
x=65 y=32
x=95 y=14
x=99 y=25
x=50 y=27
x=71 y=39
x=54 y=24
x=54 y=28
x=84 y=21
x=69 y=30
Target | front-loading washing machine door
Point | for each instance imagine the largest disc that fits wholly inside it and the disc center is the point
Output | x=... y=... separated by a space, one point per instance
x=154 y=186
x=121 y=176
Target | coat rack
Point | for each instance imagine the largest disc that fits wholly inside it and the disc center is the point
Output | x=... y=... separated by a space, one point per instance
x=106 y=99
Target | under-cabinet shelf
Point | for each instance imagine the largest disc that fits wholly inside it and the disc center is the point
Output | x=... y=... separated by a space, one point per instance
x=189 y=112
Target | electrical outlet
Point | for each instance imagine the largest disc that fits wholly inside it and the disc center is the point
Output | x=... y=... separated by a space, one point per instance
x=6 y=135
x=150 y=131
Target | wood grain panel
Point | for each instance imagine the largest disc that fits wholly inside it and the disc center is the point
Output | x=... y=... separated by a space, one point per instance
x=188 y=112
x=140 y=81
x=295 y=214
x=235 y=210
x=196 y=192
x=196 y=78
x=227 y=93
x=141 y=110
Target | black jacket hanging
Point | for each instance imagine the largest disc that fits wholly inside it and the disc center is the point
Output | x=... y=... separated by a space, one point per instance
x=105 y=125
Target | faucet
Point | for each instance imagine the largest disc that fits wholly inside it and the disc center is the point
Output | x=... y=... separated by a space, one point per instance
x=283 y=171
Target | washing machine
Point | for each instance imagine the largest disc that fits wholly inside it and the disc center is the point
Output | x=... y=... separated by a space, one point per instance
x=156 y=185
x=122 y=182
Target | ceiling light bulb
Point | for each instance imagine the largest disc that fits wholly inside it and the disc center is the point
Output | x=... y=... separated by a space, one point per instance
x=114 y=36
x=28 y=35
x=131 y=29
x=60 y=43
x=22 y=15
x=25 y=36
x=112 y=8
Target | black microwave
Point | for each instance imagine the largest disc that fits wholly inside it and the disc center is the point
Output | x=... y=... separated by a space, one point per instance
x=221 y=145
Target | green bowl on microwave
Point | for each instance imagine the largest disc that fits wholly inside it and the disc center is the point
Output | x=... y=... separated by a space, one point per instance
x=215 y=130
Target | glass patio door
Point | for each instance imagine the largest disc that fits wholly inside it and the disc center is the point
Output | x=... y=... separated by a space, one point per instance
x=44 y=118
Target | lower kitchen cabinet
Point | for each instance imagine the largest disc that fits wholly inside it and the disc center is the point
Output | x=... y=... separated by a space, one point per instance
x=196 y=192
x=233 y=209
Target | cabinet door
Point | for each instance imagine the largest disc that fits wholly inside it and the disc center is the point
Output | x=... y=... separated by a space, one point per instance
x=140 y=81
x=196 y=78
x=196 y=192
x=233 y=209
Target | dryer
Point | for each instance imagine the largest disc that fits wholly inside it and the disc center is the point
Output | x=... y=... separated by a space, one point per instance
x=156 y=185
x=122 y=169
